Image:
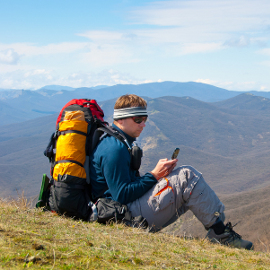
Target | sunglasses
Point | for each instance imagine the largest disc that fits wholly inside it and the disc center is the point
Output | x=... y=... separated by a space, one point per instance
x=139 y=119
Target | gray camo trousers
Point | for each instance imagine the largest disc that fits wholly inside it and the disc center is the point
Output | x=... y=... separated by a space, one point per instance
x=184 y=189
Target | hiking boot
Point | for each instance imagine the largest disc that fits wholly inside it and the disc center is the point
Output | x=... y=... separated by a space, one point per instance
x=229 y=238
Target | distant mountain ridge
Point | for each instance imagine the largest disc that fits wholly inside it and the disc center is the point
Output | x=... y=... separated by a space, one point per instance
x=51 y=99
x=246 y=102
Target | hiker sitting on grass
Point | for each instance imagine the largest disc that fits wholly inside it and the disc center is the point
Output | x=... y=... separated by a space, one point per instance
x=161 y=195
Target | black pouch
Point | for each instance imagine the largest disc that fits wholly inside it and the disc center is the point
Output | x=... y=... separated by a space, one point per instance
x=136 y=157
x=70 y=199
x=112 y=211
x=49 y=151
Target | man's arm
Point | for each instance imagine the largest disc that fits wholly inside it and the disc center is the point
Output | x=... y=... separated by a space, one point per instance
x=123 y=185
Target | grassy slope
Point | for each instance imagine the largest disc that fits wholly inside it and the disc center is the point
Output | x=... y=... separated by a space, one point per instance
x=35 y=239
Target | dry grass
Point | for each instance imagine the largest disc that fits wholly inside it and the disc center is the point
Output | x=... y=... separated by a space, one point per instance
x=31 y=238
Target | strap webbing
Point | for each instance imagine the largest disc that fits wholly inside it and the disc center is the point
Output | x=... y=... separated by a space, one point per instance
x=112 y=132
x=71 y=131
x=69 y=160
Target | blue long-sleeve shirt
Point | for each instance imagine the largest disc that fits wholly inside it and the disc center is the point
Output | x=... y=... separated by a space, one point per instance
x=111 y=175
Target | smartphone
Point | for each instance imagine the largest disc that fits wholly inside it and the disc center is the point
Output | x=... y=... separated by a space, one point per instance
x=175 y=153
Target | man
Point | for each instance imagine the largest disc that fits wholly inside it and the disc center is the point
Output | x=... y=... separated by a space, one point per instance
x=162 y=194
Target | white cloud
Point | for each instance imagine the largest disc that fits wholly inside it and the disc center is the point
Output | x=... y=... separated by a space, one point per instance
x=240 y=85
x=233 y=22
x=241 y=41
x=264 y=88
x=265 y=51
x=236 y=86
x=245 y=41
x=104 y=77
x=182 y=27
x=9 y=56
x=266 y=63
x=222 y=15
x=200 y=47
x=34 y=79
x=27 y=49
x=30 y=79
x=101 y=36
x=206 y=81
x=108 y=54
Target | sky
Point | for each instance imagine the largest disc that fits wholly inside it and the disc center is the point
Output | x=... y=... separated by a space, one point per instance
x=85 y=43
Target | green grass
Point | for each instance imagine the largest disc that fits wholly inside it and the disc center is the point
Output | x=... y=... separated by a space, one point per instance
x=31 y=238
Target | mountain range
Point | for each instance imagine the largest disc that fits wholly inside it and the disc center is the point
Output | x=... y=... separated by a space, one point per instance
x=228 y=140
x=21 y=105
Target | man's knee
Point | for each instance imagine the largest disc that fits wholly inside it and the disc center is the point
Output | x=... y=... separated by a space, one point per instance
x=188 y=178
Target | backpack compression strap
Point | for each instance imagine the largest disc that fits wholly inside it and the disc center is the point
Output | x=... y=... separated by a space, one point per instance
x=70 y=131
x=68 y=160
x=110 y=131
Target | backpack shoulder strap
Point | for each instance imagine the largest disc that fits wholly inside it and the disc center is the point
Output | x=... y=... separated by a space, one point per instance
x=110 y=131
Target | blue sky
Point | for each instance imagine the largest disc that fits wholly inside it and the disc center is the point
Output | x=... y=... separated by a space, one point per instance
x=225 y=43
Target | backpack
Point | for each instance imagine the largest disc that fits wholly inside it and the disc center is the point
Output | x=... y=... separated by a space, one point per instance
x=79 y=127
x=68 y=152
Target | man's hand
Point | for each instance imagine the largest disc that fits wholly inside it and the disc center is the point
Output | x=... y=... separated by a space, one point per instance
x=164 y=167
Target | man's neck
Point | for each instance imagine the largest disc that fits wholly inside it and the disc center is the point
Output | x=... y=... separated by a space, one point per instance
x=129 y=138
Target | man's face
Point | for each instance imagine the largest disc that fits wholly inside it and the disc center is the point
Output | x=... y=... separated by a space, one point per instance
x=130 y=127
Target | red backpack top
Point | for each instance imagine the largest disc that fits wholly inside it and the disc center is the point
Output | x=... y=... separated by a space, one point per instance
x=85 y=105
